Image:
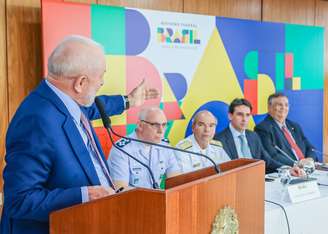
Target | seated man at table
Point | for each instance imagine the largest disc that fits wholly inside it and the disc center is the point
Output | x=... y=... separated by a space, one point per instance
x=282 y=138
x=201 y=141
x=125 y=171
x=239 y=142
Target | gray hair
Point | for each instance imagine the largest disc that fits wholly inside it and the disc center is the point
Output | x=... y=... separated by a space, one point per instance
x=67 y=61
x=275 y=95
x=195 y=118
x=145 y=111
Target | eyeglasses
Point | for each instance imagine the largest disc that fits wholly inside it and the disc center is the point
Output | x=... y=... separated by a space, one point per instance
x=155 y=125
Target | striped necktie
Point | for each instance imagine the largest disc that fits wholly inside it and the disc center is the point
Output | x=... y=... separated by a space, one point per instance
x=94 y=149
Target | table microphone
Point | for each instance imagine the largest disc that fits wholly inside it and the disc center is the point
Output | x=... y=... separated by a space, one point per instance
x=107 y=125
x=285 y=154
x=319 y=152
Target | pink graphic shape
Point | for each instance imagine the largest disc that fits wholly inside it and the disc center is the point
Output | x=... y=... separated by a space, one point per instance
x=250 y=93
x=137 y=69
x=172 y=110
x=289 y=65
x=61 y=19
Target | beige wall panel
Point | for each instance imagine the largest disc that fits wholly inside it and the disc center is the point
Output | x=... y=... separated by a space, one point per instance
x=3 y=86
x=289 y=11
x=82 y=1
x=23 y=48
x=245 y=9
x=163 y=5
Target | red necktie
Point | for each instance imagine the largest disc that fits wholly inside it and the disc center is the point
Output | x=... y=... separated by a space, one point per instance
x=292 y=143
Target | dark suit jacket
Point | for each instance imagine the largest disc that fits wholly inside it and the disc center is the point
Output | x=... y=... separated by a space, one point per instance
x=47 y=161
x=271 y=135
x=254 y=144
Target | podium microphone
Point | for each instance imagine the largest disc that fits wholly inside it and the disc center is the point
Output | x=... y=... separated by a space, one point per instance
x=107 y=125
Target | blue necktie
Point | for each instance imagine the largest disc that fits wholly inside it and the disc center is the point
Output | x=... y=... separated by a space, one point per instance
x=246 y=153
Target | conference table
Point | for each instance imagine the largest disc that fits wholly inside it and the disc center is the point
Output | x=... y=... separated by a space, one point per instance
x=307 y=217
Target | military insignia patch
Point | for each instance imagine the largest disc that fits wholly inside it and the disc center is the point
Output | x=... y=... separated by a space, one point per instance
x=135 y=181
x=196 y=165
x=123 y=142
x=216 y=143
x=185 y=144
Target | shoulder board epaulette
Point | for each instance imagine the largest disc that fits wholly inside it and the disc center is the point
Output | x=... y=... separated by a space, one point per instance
x=216 y=143
x=166 y=140
x=185 y=144
x=123 y=142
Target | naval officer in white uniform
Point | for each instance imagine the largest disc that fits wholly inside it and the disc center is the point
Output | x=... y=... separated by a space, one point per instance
x=201 y=141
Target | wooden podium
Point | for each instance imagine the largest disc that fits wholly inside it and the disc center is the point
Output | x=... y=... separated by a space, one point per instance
x=188 y=205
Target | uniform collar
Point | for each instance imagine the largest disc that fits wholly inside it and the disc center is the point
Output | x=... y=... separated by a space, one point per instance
x=196 y=146
x=145 y=146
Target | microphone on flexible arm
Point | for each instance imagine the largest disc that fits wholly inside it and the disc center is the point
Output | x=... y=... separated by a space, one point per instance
x=107 y=125
x=278 y=148
x=319 y=152
x=285 y=154
x=323 y=165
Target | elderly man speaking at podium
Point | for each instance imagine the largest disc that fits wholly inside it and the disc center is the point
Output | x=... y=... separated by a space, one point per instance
x=54 y=159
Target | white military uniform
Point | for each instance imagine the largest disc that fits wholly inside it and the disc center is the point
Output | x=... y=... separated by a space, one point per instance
x=189 y=162
x=160 y=160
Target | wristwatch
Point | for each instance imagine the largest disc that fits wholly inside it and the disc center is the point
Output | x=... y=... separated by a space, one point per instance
x=126 y=102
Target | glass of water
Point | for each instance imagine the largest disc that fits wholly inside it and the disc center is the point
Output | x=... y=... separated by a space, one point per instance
x=307 y=165
x=284 y=175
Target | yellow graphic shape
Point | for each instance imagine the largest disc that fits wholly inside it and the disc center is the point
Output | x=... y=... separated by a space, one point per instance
x=176 y=35
x=296 y=83
x=265 y=88
x=159 y=37
x=214 y=79
x=168 y=95
x=114 y=83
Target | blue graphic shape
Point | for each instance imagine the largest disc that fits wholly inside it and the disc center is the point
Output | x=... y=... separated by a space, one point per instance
x=178 y=84
x=242 y=36
x=218 y=109
x=259 y=118
x=289 y=84
x=304 y=111
x=137 y=32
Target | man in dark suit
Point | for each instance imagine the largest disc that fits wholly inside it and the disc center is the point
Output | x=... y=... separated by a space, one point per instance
x=239 y=142
x=53 y=157
x=283 y=139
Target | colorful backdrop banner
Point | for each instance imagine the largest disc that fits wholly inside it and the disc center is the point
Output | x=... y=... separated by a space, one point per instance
x=197 y=62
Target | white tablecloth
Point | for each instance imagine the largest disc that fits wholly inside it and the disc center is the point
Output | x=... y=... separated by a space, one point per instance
x=309 y=217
